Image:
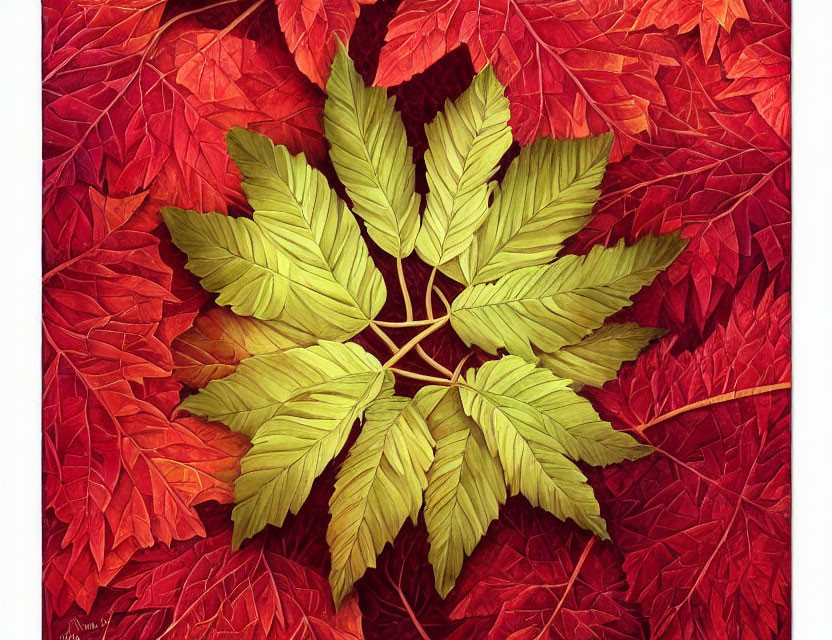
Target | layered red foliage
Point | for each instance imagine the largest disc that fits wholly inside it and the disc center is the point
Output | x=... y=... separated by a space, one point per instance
x=137 y=98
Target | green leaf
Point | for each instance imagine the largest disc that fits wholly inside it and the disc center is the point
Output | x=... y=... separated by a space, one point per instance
x=570 y=419
x=597 y=358
x=251 y=396
x=551 y=306
x=465 y=144
x=293 y=448
x=533 y=455
x=546 y=196
x=427 y=397
x=378 y=486
x=371 y=157
x=332 y=273
x=232 y=257
x=465 y=490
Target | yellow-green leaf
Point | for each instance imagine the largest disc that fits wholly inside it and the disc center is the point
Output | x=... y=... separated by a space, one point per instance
x=220 y=340
x=370 y=154
x=333 y=276
x=570 y=419
x=534 y=459
x=465 y=490
x=293 y=448
x=252 y=395
x=554 y=305
x=546 y=196
x=465 y=143
x=234 y=258
x=597 y=358
x=378 y=486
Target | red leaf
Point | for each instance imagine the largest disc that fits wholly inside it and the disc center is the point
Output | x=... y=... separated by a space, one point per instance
x=313 y=28
x=704 y=521
x=421 y=32
x=756 y=58
x=119 y=473
x=708 y=15
x=716 y=170
x=572 y=68
x=120 y=108
x=534 y=577
x=211 y=349
x=398 y=598
x=201 y=588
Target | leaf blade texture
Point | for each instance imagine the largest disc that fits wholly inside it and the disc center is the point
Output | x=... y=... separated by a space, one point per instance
x=546 y=197
x=378 y=486
x=465 y=488
x=234 y=258
x=465 y=143
x=551 y=306
x=219 y=340
x=597 y=358
x=371 y=157
x=337 y=280
x=304 y=434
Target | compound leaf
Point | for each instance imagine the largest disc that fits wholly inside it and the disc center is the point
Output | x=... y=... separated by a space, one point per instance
x=546 y=196
x=378 y=486
x=597 y=358
x=253 y=394
x=370 y=154
x=234 y=258
x=534 y=459
x=333 y=275
x=306 y=432
x=465 y=143
x=554 y=305
x=464 y=493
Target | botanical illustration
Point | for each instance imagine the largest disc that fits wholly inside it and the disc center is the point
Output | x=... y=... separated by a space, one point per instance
x=416 y=319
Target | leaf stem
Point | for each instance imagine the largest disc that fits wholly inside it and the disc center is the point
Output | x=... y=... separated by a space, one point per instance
x=408 y=305
x=404 y=325
x=575 y=572
x=455 y=373
x=428 y=292
x=725 y=397
x=442 y=297
x=422 y=353
x=384 y=337
x=405 y=349
x=418 y=376
x=412 y=614
x=433 y=363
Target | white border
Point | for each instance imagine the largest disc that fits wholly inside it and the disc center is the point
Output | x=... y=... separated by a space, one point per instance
x=20 y=463
x=20 y=359
x=812 y=314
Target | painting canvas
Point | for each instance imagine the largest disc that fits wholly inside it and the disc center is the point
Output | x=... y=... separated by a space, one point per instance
x=416 y=319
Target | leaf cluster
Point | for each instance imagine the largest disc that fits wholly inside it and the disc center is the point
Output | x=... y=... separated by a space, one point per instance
x=468 y=440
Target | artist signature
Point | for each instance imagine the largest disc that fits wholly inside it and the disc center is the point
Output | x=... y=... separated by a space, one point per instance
x=79 y=629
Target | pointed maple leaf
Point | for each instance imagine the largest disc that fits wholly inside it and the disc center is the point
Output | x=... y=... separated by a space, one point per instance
x=534 y=577
x=716 y=170
x=704 y=523
x=126 y=107
x=572 y=68
x=708 y=15
x=119 y=473
x=313 y=29
x=266 y=591
x=756 y=59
